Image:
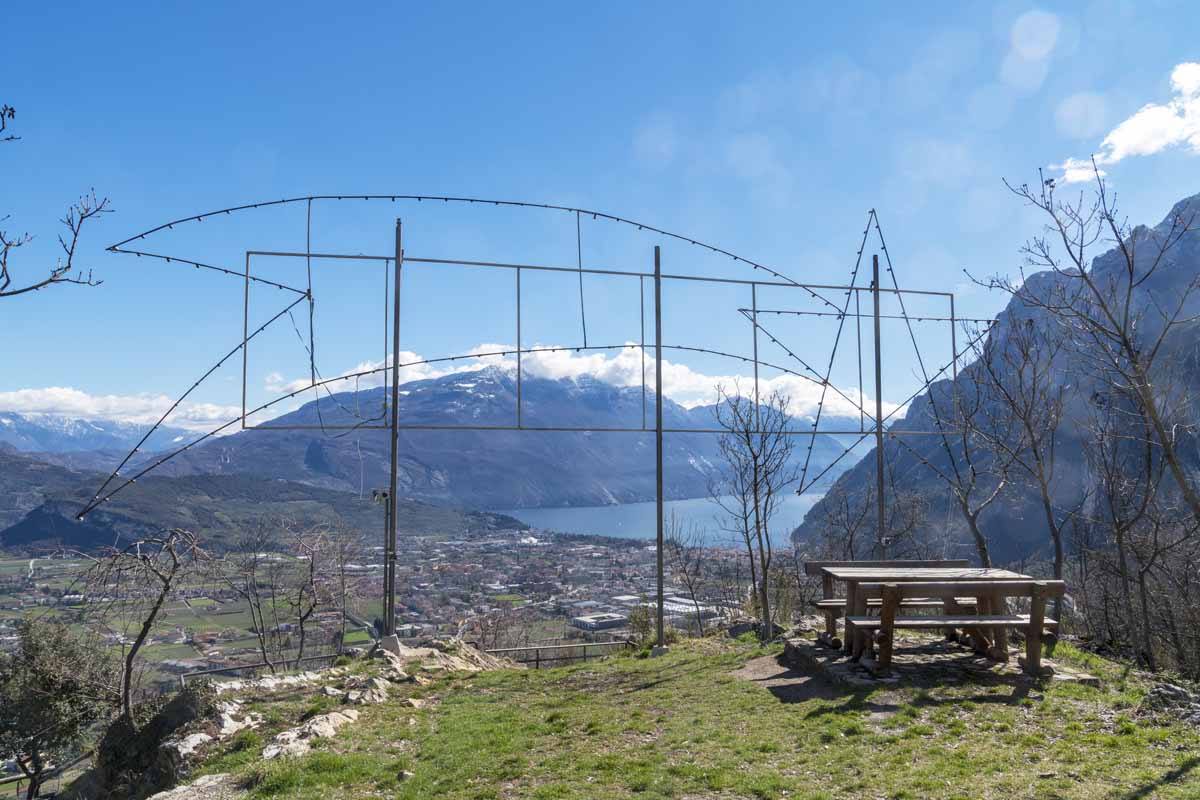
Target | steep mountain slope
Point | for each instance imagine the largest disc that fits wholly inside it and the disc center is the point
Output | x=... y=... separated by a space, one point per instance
x=1015 y=524
x=492 y=468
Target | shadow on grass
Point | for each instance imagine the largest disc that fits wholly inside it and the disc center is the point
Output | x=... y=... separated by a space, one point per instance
x=1149 y=789
x=671 y=673
x=946 y=668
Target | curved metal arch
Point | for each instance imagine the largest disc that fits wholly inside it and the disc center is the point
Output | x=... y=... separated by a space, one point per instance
x=642 y=226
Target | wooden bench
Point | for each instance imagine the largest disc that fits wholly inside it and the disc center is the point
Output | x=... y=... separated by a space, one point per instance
x=834 y=607
x=993 y=615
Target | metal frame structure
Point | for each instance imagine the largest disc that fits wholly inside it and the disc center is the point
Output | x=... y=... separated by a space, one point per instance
x=398 y=259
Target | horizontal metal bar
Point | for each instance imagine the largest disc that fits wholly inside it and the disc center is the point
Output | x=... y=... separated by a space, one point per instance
x=293 y=254
x=233 y=668
x=541 y=648
x=586 y=270
x=848 y=315
x=566 y=429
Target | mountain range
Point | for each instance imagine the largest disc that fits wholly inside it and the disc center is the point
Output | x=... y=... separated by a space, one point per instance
x=498 y=468
x=63 y=434
x=322 y=475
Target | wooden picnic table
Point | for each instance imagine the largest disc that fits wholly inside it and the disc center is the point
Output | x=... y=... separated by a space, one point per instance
x=986 y=602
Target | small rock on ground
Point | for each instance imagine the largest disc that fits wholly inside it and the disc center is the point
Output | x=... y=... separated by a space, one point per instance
x=209 y=787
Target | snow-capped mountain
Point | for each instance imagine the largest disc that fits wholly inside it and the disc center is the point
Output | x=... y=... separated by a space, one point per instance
x=499 y=468
x=56 y=433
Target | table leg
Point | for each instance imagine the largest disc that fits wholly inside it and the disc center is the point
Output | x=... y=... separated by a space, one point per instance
x=851 y=601
x=862 y=638
x=950 y=608
x=830 y=614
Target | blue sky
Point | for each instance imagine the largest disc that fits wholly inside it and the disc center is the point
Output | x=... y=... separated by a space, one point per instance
x=770 y=132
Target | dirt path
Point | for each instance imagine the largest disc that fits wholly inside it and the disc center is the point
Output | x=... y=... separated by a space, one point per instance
x=785 y=682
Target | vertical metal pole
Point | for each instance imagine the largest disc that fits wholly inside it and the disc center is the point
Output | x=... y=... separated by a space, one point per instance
x=754 y=319
x=658 y=433
x=245 y=336
x=642 y=315
x=579 y=266
x=389 y=619
x=518 y=347
x=881 y=535
x=312 y=343
x=953 y=344
x=862 y=422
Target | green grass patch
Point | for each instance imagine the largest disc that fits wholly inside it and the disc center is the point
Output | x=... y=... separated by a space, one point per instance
x=682 y=726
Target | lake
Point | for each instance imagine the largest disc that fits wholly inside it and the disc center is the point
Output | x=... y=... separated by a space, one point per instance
x=637 y=520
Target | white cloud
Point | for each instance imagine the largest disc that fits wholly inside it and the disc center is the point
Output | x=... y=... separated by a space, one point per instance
x=1032 y=40
x=1081 y=115
x=140 y=408
x=1034 y=35
x=1151 y=129
x=681 y=383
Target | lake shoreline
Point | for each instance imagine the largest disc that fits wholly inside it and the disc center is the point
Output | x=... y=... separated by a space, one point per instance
x=639 y=520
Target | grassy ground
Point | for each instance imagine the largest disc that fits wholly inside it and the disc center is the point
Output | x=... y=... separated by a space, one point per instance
x=684 y=726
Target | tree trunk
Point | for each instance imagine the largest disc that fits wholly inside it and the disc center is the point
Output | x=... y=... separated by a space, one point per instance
x=143 y=634
x=981 y=543
x=1123 y=564
x=1147 y=638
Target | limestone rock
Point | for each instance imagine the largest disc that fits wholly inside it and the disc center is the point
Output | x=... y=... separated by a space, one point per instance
x=231 y=719
x=297 y=741
x=188 y=744
x=208 y=787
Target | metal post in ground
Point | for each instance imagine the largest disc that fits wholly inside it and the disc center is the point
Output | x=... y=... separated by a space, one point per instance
x=658 y=438
x=389 y=600
x=881 y=524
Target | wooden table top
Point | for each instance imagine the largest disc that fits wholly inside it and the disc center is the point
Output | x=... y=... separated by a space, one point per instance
x=888 y=574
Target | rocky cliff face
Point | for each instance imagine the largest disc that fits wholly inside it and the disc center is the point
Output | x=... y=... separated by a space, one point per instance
x=1016 y=524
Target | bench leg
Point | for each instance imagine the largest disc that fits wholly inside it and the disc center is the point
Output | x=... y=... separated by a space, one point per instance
x=1000 y=636
x=979 y=639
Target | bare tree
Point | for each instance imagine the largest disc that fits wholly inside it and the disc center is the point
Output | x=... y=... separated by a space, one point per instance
x=1023 y=374
x=344 y=585
x=78 y=214
x=139 y=578
x=757 y=448
x=1116 y=313
x=844 y=523
x=306 y=591
x=976 y=442
x=254 y=572
x=688 y=556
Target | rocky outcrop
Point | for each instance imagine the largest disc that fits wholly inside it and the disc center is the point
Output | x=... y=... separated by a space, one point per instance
x=298 y=741
x=1171 y=700
x=209 y=787
x=448 y=655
